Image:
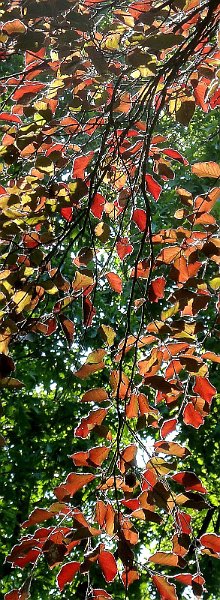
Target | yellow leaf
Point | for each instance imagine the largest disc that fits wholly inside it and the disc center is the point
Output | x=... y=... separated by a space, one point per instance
x=81 y=282
x=45 y=165
x=108 y=334
x=112 y=42
x=166 y=314
x=215 y=283
x=21 y=299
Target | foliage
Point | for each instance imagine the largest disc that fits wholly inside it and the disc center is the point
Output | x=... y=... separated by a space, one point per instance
x=108 y=295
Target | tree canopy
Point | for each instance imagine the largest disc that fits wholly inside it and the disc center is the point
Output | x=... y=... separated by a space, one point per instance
x=109 y=296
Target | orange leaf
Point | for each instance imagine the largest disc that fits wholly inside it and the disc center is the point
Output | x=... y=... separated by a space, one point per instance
x=129 y=576
x=166 y=590
x=80 y=164
x=168 y=255
x=171 y=448
x=13 y=27
x=95 y=395
x=168 y=426
x=191 y=416
x=37 y=516
x=211 y=356
x=167 y=558
x=156 y=289
x=73 y=483
x=120 y=384
x=206 y=169
x=115 y=282
x=98 y=455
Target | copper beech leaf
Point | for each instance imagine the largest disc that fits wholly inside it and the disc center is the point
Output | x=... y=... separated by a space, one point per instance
x=212 y=541
x=153 y=187
x=156 y=289
x=191 y=416
x=95 y=395
x=140 y=218
x=171 y=448
x=108 y=565
x=206 y=169
x=167 y=559
x=99 y=594
x=67 y=574
x=190 y=481
x=166 y=590
x=123 y=247
x=114 y=281
x=73 y=483
x=204 y=388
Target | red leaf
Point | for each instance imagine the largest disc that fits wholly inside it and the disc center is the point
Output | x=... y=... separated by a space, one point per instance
x=115 y=282
x=166 y=590
x=183 y=522
x=68 y=328
x=153 y=187
x=2 y=190
x=191 y=416
x=140 y=218
x=190 y=481
x=156 y=289
x=31 y=240
x=88 y=423
x=67 y=213
x=101 y=595
x=108 y=565
x=80 y=164
x=204 y=388
x=123 y=248
x=175 y=155
x=4 y=116
x=13 y=595
x=200 y=91
x=185 y=578
x=67 y=573
x=88 y=312
x=212 y=541
x=97 y=205
x=28 y=90
x=168 y=426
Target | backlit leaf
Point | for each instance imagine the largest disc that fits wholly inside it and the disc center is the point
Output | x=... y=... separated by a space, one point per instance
x=140 y=218
x=115 y=282
x=108 y=565
x=67 y=574
x=153 y=187
x=166 y=590
x=171 y=448
x=206 y=169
